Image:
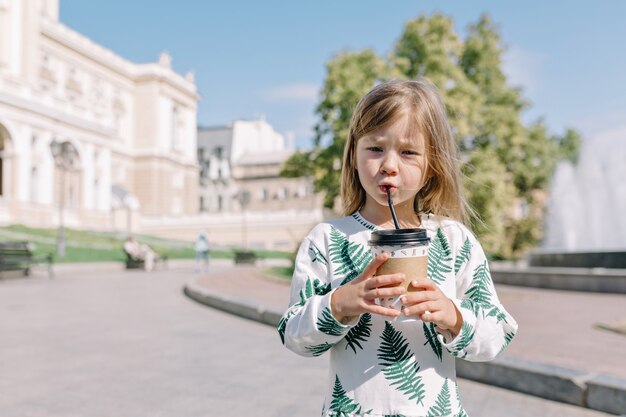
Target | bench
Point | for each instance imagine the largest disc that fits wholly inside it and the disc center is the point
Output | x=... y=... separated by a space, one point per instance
x=134 y=263
x=18 y=257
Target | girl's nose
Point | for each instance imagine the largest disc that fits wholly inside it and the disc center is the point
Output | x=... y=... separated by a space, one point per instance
x=389 y=165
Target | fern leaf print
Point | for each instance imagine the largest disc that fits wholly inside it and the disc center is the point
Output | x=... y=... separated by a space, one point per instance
x=463 y=256
x=431 y=339
x=466 y=336
x=351 y=257
x=399 y=364
x=442 y=406
x=479 y=290
x=317 y=350
x=507 y=339
x=328 y=324
x=317 y=256
x=342 y=405
x=439 y=258
x=359 y=333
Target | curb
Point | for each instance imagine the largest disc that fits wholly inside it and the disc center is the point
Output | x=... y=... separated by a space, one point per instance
x=571 y=279
x=597 y=392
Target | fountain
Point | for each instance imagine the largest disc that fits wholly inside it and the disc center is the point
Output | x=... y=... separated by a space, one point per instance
x=586 y=215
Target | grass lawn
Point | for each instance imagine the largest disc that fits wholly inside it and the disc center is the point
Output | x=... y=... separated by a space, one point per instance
x=91 y=246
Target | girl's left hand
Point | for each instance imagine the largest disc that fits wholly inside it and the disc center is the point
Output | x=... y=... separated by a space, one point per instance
x=427 y=301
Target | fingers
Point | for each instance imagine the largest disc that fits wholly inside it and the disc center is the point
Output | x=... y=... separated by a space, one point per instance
x=386 y=292
x=383 y=311
x=370 y=269
x=384 y=281
x=424 y=284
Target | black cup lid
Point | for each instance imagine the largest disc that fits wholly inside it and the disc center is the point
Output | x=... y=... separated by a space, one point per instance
x=393 y=237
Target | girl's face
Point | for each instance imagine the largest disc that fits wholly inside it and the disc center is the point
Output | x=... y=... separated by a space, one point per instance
x=391 y=157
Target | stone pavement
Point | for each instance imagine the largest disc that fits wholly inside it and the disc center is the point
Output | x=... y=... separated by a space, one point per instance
x=98 y=341
x=557 y=345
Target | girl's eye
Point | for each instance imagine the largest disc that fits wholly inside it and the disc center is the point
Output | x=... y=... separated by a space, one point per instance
x=410 y=152
x=375 y=149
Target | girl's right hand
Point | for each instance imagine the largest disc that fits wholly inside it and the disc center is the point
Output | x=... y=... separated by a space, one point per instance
x=359 y=295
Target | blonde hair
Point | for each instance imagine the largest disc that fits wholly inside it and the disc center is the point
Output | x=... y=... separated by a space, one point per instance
x=442 y=193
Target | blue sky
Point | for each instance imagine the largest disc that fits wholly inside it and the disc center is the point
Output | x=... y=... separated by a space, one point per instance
x=267 y=58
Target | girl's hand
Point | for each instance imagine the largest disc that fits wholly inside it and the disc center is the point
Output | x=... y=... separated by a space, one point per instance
x=359 y=295
x=432 y=305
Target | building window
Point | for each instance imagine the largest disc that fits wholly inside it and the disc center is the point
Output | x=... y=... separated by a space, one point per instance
x=202 y=208
x=220 y=202
x=219 y=152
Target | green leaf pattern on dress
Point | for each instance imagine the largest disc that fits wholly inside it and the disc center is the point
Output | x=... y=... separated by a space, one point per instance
x=342 y=405
x=442 y=406
x=507 y=339
x=465 y=337
x=359 y=333
x=463 y=256
x=439 y=258
x=431 y=339
x=479 y=292
x=399 y=365
x=311 y=287
x=352 y=257
x=326 y=323
x=317 y=350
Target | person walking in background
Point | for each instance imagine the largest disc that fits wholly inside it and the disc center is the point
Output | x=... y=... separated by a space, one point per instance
x=202 y=251
x=400 y=142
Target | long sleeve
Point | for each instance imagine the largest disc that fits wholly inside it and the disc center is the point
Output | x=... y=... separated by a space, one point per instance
x=487 y=327
x=308 y=327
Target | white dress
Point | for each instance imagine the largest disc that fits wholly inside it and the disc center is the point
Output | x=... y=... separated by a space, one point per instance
x=383 y=368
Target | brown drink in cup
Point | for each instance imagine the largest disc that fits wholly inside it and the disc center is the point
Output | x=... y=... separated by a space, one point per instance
x=408 y=254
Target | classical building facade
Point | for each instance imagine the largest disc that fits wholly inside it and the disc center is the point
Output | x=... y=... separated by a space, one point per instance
x=240 y=185
x=86 y=133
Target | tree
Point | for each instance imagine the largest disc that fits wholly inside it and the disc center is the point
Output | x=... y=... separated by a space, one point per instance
x=507 y=164
x=349 y=76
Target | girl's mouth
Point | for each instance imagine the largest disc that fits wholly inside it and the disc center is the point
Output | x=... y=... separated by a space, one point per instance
x=383 y=188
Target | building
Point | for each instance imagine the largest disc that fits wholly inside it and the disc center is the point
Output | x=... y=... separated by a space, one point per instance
x=87 y=134
x=240 y=167
x=240 y=183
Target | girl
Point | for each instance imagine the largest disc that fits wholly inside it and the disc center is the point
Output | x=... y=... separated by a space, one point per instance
x=399 y=138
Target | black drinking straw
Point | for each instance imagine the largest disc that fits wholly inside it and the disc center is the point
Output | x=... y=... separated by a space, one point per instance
x=393 y=211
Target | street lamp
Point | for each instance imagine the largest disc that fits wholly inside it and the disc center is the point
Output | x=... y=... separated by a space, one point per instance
x=64 y=155
x=244 y=198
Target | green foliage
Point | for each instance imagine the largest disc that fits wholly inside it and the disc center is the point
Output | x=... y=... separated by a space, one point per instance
x=508 y=164
x=93 y=246
x=492 y=194
x=569 y=145
x=400 y=365
x=342 y=405
x=439 y=258
x=359 y=333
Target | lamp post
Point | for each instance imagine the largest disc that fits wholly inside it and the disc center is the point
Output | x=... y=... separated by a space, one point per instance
x=244 y=198
x=64 y=155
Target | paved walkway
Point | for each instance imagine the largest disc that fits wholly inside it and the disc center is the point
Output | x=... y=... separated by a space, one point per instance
x=103 y=342
x=556 y=327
